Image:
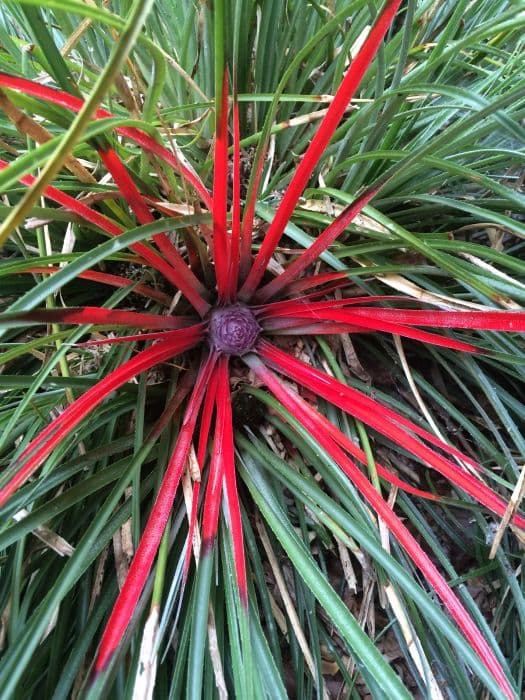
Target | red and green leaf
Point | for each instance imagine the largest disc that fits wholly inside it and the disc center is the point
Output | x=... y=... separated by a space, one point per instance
x=150 y=540
x=317 y=146
x=35 y=453
x=310 y=419
x=387 y=422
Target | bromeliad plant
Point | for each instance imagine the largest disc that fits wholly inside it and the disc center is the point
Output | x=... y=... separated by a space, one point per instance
x=230 y=313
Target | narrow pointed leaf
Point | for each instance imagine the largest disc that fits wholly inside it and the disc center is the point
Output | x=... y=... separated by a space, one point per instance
x=317 y=312
x=178 y=278
x=150 y=540
x=233 y=277
x=384 y=421
x=318 y=144
x=93 y=314
x=321 y=243
x=212 y=499
x=475 y=320
x=291 y=307
x=189 y=285
x=224 y=414
x=204 y=434
x=221 y=243
x=139 y=337
x=125 y=184
x=309 y=419
x=312 y=281
x=35 y=453
x=142 y=139
x=111 y=280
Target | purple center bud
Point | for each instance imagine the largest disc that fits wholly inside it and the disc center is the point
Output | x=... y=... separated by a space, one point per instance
x=233 y=329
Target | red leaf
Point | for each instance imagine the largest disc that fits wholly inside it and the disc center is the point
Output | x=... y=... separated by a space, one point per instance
x=212 y=500
x=221 y=244
x=225 y=420
x=474 y=320
x=317 y=312
x=354 y=319
x=349 y=446
x=75 y=104
x=94 y=314
x=387 y=422
x=233 y=276
x=155 y=260
x=309 y=418
x=150 y=540
x=204 y=434
x=320 y=244
x=111 y=280
x=384 y=319
x=37 y=450
x=188 y=284
x=318 y=144
x=126 y=186
x=290 y=307
x=139 y=337
x=312 y=281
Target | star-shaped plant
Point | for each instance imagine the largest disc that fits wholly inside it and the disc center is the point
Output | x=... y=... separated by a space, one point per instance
x=229 y=308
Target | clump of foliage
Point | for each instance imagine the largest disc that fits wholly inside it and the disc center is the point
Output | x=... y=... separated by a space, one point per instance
x=295 y=349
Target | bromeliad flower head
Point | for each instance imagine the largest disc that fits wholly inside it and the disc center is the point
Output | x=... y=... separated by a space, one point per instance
x=227 y=308
x=233 y=329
